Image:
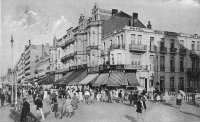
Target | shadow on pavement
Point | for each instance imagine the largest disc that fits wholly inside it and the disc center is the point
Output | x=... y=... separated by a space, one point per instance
x=192 y=103
x=169 y=104
x=132 y=119
x=45 y=115
x=190 y=114
x=127 y=104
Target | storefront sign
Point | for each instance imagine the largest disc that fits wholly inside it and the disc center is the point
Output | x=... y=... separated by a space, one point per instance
x=72 y=68
x=92 y=48
x=158 y=32
x=83 y=66
x=171 y=33
x=136 y=29
x=93 y=69
x=137 y=67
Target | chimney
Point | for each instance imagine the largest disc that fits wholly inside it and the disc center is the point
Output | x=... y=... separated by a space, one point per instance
x=149 y=25
x=135 y=15
x=114 y=12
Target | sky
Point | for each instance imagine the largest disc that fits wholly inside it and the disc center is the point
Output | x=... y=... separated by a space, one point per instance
x=41 y=20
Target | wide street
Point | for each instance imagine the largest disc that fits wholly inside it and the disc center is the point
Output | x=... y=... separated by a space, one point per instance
x=118 y=112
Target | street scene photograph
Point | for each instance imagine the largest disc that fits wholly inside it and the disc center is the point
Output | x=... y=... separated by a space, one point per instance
x=100 y=61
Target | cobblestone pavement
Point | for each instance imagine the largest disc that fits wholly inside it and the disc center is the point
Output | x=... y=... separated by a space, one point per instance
x=118 y=112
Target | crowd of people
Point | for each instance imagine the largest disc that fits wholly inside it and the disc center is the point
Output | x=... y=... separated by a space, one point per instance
x=65 y=101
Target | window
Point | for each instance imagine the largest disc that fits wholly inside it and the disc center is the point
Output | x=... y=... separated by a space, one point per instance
x=172 y=43
x=193 y=46
x=198 y=45
x=181 y=64
x=181 y=83
x=118 y=40
x=112 y=58
x=172 y=64
x=111 y=42
x=172 y=83
x=151 y=43
x=122 y=40
x=136 y=59
x=58 y=53
x=104 y=61
x=133 y=39
x=182 y=42
x=151 y=62
x=139 y=39
x=162 y=61
x=162 y=83
x=104 y=44
x=162 y=44
x=119 y=58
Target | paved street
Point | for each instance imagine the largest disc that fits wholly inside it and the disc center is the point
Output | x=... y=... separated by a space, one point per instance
x=117 y=112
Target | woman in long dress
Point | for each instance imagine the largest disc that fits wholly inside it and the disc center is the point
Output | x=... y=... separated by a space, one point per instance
x=69 y=107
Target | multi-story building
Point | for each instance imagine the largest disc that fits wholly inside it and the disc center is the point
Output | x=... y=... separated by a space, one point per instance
x=158 y=59
x=53 y=60
x=162 y=59
x=43 y=62
x=26 y=64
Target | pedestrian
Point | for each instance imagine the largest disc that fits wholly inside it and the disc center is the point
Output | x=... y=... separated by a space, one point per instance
x=2 y=97
x=61 y=106
x=139 y=107
x=25 y=110
x=92 y=96
x=158 y=98
x=55 y=107
x=87 y=95
x=135 y=98
x=69 y=107
x=74 y=101
x=120 y=96
x=39 y=106
x=178 y=99
x=53 y=96
x=144 y=99
x=131 y=98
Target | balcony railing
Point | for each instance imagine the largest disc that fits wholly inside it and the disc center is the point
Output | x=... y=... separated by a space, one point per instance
x=152 y=48
x=182 y=50
x=163 y=49
x=69 y=41
x=117 y=46
x=173 y=50
x=93 y=47
x=162 y=69
x=138 y=48
x=193 y=71
x=104 y=52
x=193 y=53
x=172 y=69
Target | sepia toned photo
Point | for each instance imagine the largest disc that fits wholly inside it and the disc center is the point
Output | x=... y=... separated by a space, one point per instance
x=100 y=61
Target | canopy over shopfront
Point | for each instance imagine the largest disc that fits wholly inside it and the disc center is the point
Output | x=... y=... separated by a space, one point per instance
x=80 y=76
x=59 y=81
x=101 y=79
x=132 y=79
x=88 y=79
x=116 y=79
x=49 y=80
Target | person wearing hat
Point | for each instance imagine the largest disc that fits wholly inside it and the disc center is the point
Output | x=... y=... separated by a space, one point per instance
x=25 y=110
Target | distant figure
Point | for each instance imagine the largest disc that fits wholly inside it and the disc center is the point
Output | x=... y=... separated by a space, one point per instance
x=2 y=97
x=55 y=108
x=87 y=96
x=25 y=110
x=178 y=99
x=131 y=98
x=69 y=107
x=75 y=101
x=139 y=107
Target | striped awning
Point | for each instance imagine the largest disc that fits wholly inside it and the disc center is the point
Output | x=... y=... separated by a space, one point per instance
x=88 y=79
x=80 y=76
x=49 y=80
x=116 y=79
x=64 y=77
x=132 y=79
x=101 y=79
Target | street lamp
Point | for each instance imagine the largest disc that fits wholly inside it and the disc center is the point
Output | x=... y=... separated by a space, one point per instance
x=12 y=99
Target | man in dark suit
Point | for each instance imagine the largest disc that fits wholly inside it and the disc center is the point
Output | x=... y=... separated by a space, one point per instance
x=25 y=110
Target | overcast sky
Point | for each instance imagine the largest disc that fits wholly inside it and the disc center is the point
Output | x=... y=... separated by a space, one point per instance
x=41 y=20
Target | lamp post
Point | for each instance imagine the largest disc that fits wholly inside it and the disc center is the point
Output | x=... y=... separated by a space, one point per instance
x=12 y=99
x=15 y=80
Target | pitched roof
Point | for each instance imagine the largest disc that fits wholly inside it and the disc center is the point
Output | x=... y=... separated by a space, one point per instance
x=119 y=21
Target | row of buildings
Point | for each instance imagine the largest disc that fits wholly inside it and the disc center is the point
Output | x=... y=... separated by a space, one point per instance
x=114 y=41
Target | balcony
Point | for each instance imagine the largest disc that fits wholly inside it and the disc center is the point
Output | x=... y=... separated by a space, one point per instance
x=66 y=57
x=117 y=46
x=152 y=49
x=183 y=51
x=172 y=69
x=104 y=52
x=193 y=53
x=27 y=57
x=27 y=68
x=69 y=41
x=94 y=47
x=138 y=48
x=27 y=62
x=173 y=50
x=162 y=69
x=163 y=49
